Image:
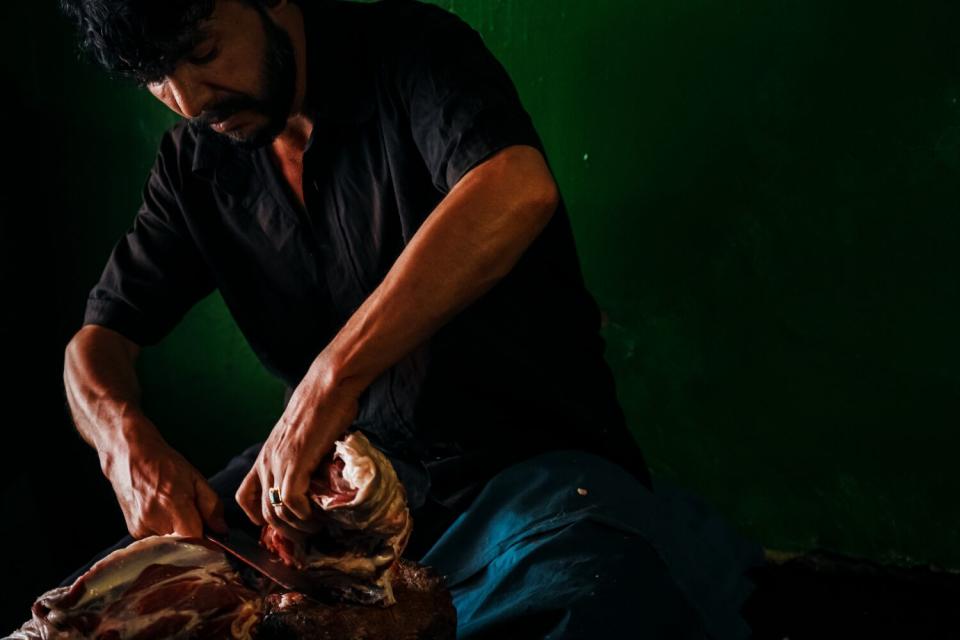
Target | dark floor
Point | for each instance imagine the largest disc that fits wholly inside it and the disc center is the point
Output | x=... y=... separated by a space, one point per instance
x=824 y=595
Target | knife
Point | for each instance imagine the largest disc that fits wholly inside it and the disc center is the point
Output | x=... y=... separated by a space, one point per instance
x=322 y=585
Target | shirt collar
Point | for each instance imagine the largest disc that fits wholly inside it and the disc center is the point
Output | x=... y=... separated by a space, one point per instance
x=218 y=161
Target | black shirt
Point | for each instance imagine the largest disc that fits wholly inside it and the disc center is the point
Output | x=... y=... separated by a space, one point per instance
x=405 y=98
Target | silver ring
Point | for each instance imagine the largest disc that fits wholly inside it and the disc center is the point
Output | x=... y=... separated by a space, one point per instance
x=274 y=494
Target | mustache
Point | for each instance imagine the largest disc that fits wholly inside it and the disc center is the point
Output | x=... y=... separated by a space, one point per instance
x=226 y=108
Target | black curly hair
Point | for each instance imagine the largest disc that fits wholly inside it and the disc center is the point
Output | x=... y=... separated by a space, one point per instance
x=141 y=39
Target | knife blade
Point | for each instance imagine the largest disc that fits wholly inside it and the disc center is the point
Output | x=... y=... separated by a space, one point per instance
x=246 y=549
x=321 y=585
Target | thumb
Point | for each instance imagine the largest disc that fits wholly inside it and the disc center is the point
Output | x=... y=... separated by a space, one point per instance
x=210 y=506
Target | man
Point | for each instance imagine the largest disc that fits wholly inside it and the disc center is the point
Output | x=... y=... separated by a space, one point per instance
x=364 y=188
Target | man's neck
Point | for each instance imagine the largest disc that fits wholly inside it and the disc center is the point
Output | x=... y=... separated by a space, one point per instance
x=293 y=140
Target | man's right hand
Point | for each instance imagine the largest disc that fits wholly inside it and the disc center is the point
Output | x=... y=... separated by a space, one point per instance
x=160 y=492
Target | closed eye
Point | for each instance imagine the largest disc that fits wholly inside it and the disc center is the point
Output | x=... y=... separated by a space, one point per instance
x=206 y=57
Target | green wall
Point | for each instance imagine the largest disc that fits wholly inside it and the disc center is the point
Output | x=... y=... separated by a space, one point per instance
x=765 y=201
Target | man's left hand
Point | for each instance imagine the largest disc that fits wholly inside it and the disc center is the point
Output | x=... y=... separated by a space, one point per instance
x=317 y=415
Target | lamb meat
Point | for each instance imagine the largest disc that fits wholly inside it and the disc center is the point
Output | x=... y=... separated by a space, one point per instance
x=180 y=608
x=363 y=522
x=172 y=587
x=157 y=587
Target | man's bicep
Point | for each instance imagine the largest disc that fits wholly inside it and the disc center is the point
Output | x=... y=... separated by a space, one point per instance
x=519 y=164
x=463 y=106
x=155 y=271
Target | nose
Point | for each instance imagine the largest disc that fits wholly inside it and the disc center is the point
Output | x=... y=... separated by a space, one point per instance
x=185 y=93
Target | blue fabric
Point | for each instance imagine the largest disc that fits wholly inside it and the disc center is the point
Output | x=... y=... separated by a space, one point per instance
x=533 y=557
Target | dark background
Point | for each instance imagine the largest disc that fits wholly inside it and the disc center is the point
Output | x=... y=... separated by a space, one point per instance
x=765 y=200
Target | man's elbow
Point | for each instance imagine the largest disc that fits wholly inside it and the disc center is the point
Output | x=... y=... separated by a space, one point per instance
x=540 y=194
x=547 y=198
x=518 y=181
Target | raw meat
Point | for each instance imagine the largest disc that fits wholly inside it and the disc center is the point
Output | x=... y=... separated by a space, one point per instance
x=171 y=587
x=424 y=611
x=157 y=587
x=363 y=520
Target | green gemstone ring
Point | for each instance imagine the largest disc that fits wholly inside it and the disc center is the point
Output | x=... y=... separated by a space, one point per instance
x=274 y=494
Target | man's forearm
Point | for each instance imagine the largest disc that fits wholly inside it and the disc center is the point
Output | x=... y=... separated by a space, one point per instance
x=470 y=241
x=102 y=389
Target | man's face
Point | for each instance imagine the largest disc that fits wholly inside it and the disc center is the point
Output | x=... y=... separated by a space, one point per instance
x=239 y=81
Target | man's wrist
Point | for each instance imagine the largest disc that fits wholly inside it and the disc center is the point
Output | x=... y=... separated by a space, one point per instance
x=332 y=375
x=130 y=431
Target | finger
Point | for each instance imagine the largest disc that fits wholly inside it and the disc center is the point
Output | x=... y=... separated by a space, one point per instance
x=294 y=491
x=187 y=523
x=209 y=505
x=284 y=512
x=267 y=510
x=277 y=515
x=271 y=515
x=288 y=525
x=290 y=520
x=248 y=497
x=138 y=531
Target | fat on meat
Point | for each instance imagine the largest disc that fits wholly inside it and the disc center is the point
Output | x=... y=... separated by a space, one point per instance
x=175 y=587
x=157 y=587
x=363 y=521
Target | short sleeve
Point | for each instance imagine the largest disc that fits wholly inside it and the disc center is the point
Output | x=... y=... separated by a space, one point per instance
x=155 y=272
x=463 y=105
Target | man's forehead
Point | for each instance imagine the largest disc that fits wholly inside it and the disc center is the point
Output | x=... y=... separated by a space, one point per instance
x=228 y=14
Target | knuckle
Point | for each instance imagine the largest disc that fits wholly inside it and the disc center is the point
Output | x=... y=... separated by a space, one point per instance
x=293 y=484
x=270 y=516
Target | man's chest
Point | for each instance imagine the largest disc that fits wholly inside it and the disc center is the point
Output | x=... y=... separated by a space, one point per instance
x=334 y=209
x=332 y=218
x=289 y=162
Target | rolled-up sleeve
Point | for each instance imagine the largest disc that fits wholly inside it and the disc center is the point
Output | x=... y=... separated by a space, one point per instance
x=155 y=271
x=462 y=103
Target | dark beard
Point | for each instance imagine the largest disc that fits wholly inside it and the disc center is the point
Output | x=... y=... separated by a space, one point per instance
x=278 y=73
